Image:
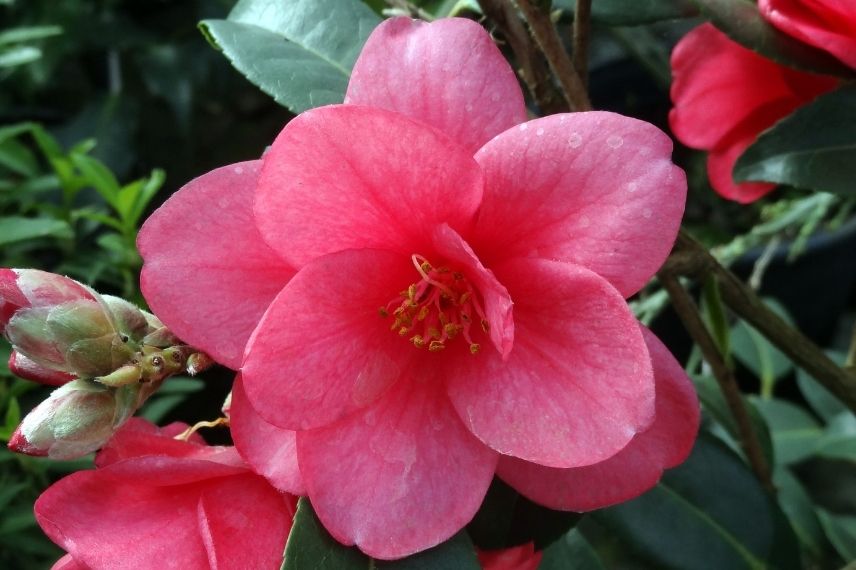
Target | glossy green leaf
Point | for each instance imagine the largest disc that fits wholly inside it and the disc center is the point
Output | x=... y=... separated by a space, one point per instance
x=795 y=432
x=813 y=148
x=28 y=34
x=633 y=12
x=300 y=52
x=310 y=547
x=570 y=552
x=14 y=229
x=743 y=23
x=19 y=55
x=457 y=553
x=710 y=512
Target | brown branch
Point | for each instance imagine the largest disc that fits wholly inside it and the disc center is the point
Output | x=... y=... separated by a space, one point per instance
x=532 y=66
x=548 y=40
x=582 y=29
x=689 y=315
x=691 y=259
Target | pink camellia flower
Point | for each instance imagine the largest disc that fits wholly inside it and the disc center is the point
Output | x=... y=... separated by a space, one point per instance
x=523 y=557
x=829 y=25
x=724 y=95
x=424 y=286
x=155 y=502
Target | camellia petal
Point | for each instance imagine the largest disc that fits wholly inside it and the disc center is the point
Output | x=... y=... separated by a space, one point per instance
x=595 y=189
x=826 y=24
x=720 y=165
x=448 y=74
x=208 y=274
x=322 y=350
x=268 y=449
x=340 y=177
x=634 y=469
x=561 y=399
x=401 y=475
x=68 y=563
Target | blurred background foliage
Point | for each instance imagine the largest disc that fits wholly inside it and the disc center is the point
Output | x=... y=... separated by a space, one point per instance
x=108 y=106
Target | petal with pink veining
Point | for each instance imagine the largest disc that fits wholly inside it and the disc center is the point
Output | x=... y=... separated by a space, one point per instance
x=322 y=350
x=208 y=275
x=577 y=385
x=351 y=177
x=250 y=536
x=595 y=189
x=269 y=450
x=100 y=530
x=399 y=476
x=634 y=469
x=448 y=74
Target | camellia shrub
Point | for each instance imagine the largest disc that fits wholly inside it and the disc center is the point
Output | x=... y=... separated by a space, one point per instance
x=433 y=292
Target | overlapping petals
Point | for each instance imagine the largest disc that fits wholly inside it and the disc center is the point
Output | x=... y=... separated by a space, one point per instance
x=155 y=503
x=724 y=95
x=595 y=189
x=204 y=239
x=829 y=25
x=633 y=470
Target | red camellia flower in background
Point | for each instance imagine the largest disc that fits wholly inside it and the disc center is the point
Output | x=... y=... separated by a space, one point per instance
x=426 y=288
x=155 y=502
x=829 y=25
x=724 y=95
x=523 y=557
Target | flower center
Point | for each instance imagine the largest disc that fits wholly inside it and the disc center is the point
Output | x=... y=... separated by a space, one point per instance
x=440 y=307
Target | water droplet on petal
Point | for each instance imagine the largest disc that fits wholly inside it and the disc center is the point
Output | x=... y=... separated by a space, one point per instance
x=523 y=127
x=632 y=187
x=539 y=132
x=647 y=213
x=575 y=140
x=614 y=141
x=239 y=170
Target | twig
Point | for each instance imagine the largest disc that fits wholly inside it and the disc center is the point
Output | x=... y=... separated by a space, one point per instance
x=691 y=259
x=532 y=66
x=689 y=315
x=582 y=29
x=548 y=40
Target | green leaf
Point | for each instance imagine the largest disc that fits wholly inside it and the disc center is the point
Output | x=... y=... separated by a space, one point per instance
x=714 y=404
x=300 y=52
x=99 y=176
x=710 y=512
x=457 y=553
x=19 y=55
x=799 y=509
x=743 y=23
x=815 y=147
x=571 y=552
x=819 y=398
x=841 y=531
x=310 y=547
x=18 y=158
x=28 y=34
x=752 y=349
x=795 y=433
x=633 y=12
x=14 y=229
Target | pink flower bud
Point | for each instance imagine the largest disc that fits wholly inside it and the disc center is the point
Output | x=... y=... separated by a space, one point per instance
x=25 y=368
x=78 y=418
x=23 y=288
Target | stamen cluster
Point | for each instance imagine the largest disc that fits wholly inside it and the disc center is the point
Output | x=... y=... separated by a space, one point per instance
x=438 y=308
